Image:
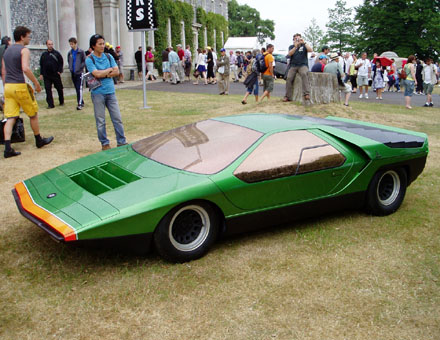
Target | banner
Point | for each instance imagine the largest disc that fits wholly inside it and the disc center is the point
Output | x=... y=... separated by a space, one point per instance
x=141 y=15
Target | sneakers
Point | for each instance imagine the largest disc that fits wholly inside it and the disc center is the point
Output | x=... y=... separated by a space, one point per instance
x=43 y=141
x=79 y=107
x=426 y=105
x=361 y=96
x=431 y=104
x=366 y=96
x=11 y=153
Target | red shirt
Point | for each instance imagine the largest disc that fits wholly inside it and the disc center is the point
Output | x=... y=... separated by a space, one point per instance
x=181 y=53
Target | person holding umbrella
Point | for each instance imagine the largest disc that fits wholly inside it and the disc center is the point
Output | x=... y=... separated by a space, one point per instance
x=378 y=79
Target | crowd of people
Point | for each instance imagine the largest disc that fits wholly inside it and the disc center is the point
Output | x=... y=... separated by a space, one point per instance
x=354 y=75
x=100 y=61
x=255 y=68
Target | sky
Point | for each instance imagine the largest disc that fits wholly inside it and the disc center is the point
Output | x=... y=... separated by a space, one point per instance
x=293 y=16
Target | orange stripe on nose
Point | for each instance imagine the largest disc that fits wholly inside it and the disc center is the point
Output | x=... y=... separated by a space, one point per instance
x=31 y=207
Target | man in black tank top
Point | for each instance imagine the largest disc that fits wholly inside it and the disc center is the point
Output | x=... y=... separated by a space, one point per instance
x=18 y=94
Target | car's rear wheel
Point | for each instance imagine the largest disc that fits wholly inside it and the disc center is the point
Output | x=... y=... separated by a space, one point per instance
x=386 y=191
x=187 y=232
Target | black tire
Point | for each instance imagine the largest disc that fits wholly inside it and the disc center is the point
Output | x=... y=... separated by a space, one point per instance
x=386 y=191
x=187 y=232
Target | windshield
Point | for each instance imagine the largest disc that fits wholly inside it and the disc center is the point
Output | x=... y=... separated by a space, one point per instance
x=205 y=147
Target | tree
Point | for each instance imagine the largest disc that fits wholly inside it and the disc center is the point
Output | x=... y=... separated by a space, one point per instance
x=245 y=21
x=340 y=28
x=405 y=27
x=314 y=35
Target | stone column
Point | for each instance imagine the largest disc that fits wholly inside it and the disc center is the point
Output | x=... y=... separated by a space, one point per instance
x=215 y=40
x=98 y=17
x=110 y=20
x=150 y=39
x=52 y=23
x=85 y=19
x=66 y=25
x=127 y=39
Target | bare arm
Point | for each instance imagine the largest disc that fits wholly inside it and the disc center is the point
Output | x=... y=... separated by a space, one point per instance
x=107 y=73
x=3 y=72
x=25 y=57
x=413 y=73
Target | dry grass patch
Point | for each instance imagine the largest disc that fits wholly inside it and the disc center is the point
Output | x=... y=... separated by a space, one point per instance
x=343 y=276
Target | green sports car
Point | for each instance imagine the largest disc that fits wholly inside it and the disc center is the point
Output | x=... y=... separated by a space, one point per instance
x=183 y=188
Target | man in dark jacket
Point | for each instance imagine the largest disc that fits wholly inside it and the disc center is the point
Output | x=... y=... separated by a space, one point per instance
x=51 y=67
x=77 y=61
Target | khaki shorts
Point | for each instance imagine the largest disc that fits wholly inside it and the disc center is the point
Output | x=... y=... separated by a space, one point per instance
x=19 y=95
x=362 y=80
x=268 y=83
x=428 y=88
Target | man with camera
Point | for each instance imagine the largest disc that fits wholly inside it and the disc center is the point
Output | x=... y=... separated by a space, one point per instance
x=298 y=64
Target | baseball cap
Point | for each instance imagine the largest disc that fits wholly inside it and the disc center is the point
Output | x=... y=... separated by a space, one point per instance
x=222 y=50
x=333 y=56
x=322 y=56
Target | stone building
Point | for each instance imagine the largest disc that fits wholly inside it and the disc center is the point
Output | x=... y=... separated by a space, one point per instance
x=59 y=20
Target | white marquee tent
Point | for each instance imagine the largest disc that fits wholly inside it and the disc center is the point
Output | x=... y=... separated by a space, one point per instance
x=242 y=44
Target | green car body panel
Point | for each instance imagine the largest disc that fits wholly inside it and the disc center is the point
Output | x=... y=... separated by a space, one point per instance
x=120 y=192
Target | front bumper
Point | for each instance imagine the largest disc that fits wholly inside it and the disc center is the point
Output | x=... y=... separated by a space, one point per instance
x=59 y=230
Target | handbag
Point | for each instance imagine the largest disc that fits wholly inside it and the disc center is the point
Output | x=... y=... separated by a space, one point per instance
x=17 y=131
x=91 y=81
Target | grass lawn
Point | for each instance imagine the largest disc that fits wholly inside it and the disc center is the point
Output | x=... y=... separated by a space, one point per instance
x=343 y=276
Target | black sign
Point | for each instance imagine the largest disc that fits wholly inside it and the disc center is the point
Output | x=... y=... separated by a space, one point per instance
x=141 y=15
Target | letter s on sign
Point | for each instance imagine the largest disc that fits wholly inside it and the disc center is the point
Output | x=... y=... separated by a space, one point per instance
x=139 y=14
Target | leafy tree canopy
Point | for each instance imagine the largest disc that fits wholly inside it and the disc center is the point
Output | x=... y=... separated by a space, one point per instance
x=314 y=35
x=340 y=27
x=403 y=26
x=245 y=21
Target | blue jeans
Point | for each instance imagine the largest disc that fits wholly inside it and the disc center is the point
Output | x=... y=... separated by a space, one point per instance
x=100 y=102
x=76 y=79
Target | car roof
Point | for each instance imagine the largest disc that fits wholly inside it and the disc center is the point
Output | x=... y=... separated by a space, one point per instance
x=270 y=123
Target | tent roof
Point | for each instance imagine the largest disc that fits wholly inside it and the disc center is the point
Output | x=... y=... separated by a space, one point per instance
x=241 y=42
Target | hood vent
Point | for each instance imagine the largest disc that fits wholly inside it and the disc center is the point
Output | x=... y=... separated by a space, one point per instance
x=103 y=178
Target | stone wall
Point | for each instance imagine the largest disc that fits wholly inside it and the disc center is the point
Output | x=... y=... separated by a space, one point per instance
x=323 y=88
x=32 y=14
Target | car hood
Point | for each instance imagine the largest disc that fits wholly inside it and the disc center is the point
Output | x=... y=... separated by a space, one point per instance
x=89 y=190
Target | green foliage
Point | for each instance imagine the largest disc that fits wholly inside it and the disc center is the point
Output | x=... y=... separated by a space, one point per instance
x=313 y=34
x=179 y=11
x=212 y=21
x=405 y=27
x=340 y=27
x=245 y=21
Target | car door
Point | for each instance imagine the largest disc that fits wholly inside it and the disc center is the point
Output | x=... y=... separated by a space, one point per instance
x=286 y=167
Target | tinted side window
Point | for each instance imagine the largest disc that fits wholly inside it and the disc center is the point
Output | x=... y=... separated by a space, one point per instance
x=286 y=154
x=280 y=58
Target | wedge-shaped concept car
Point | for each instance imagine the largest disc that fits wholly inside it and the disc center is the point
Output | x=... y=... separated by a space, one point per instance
x=183 y=188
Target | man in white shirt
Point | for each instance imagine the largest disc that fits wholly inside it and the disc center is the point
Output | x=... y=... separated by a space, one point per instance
x=347 y=63
x=429 y=75
x=363 y=66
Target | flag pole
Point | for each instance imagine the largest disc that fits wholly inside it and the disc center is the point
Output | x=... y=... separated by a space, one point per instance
x=144 y=82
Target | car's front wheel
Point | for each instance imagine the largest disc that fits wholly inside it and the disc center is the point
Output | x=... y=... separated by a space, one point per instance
x=187 y=232
x=386 y=191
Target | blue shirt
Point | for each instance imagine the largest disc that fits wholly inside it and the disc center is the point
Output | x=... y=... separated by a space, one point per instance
x=74 y=53
x=173 y=58
x=102 y=63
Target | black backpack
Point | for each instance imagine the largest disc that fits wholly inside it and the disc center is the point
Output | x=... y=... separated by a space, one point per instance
x=261 y=63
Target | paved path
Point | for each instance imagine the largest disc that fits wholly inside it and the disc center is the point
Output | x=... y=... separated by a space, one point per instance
x=238 y=88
